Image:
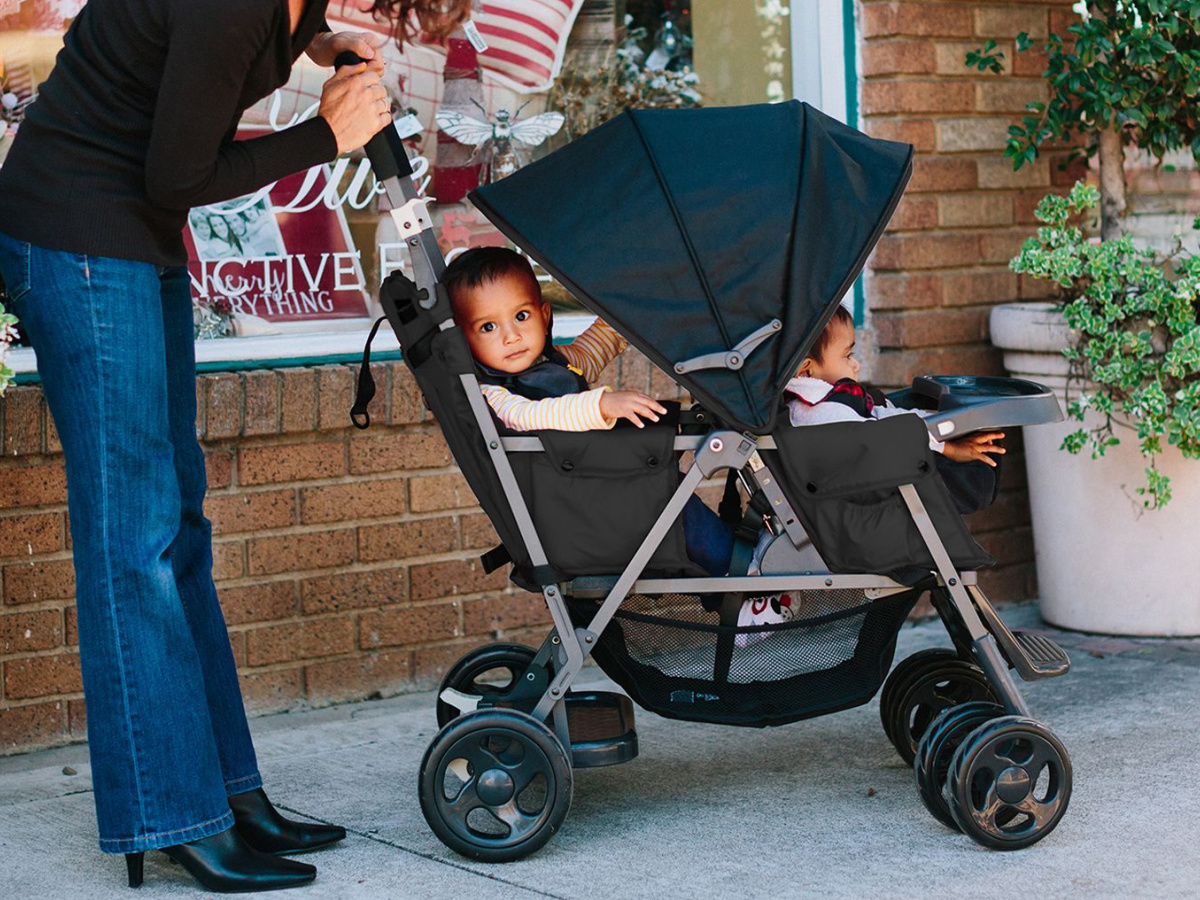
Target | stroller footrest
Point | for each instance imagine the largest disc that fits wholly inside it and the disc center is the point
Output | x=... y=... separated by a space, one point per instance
x=1039 y=657
x=601 y=727
x=1034 y=656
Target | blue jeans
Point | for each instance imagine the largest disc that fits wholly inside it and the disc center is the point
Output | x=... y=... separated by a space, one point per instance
x=709 y=540
x=166 y=727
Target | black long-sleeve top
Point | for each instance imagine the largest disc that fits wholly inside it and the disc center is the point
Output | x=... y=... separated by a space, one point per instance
x=135 y=124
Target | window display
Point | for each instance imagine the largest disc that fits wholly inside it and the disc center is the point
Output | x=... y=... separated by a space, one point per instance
x=306 y=254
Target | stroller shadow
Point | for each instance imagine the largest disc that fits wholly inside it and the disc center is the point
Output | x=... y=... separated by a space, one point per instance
x=682 y=767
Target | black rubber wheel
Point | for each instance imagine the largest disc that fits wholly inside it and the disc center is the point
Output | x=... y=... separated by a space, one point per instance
x=900 y=680
x=483 y=672
x=495 y=785
x=929 y=692
x=1009 y=783
x=936 y=747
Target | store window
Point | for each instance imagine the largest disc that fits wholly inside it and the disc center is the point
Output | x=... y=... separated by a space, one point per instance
x=290 y=273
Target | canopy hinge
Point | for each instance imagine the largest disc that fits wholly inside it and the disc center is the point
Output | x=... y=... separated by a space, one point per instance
x=733 y=359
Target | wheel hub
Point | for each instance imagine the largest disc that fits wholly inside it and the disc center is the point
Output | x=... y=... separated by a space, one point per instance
x=495 y=787
x=1012 y=785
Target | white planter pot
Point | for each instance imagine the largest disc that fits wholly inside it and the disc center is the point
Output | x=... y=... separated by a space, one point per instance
x=1104 y=563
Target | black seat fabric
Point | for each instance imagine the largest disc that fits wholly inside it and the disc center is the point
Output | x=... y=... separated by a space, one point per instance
x=843 y=478
x=593 y=496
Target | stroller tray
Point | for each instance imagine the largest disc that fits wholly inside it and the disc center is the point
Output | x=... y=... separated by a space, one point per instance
x=601 y=726
x=674 y=658
x=961 y=404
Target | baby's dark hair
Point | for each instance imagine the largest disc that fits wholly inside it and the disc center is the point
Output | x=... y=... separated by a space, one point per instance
x=841 y=316
x=481 y=265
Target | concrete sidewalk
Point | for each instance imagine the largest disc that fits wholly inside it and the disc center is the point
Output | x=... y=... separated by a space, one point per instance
x=823 y=808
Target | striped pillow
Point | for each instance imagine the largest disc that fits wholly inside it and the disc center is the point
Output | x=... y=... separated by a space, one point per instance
x=526 y=41
x=526 y=38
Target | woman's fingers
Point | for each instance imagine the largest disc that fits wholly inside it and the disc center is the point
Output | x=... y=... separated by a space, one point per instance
x=368 y=47
x=356 y=106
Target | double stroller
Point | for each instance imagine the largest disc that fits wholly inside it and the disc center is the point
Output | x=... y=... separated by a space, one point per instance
x=718 y=242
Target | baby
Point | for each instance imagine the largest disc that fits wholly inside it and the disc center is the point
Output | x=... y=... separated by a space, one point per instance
x=529 y=383
x=825 y=390
x=532 y=385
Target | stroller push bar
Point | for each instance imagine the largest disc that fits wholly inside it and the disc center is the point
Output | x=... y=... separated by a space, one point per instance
x=392 y=169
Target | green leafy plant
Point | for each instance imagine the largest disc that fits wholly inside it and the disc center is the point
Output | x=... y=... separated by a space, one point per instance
x=8 y=333
x=1126 y=74
x=1136 y=342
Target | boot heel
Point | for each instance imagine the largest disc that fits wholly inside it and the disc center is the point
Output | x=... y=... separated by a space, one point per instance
x=133 y=862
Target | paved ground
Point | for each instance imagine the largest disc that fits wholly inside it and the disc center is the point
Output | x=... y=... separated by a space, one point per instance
x=819 y=809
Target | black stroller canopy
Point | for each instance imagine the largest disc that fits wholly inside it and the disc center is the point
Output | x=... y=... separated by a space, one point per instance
x=717 y=241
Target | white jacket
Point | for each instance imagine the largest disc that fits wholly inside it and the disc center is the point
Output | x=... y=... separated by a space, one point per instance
x=806 y=407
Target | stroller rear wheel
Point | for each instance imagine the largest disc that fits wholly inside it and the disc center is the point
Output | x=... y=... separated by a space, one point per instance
x=1009 y=783
x=485 y=672
x=495 y=785
x=936 y=748
x=931 y=690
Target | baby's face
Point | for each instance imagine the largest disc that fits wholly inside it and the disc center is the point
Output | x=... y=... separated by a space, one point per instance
x=505 y=323
x=837 y=361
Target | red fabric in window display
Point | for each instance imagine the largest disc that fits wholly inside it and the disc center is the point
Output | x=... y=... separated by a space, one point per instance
x=526 y=41
x=456 y=173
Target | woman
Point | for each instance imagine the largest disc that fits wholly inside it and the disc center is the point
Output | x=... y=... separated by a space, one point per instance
x=224 y=233
x=133 y=128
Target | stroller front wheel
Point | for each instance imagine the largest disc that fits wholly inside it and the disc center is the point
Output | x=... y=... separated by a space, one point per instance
x=495 y=785
x=900 y=680
x=1009 y=783
x=936 y=748
x=929 y=692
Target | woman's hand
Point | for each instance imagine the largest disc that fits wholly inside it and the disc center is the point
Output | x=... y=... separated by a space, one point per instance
x=356 y=105
x=975 y=447
x=630 y=405
x=325 y=47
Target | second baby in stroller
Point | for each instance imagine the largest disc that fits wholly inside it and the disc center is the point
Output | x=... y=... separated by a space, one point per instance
x=532 y=385
x=825 y=390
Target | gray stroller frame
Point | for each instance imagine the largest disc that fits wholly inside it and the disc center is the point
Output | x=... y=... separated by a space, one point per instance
x=983 y=765
x=938 y=695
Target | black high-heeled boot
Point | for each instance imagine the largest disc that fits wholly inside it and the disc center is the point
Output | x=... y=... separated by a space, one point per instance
x=226 y=864
x=264 y=829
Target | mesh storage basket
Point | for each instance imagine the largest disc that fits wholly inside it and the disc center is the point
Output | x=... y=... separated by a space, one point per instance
x=674 y=658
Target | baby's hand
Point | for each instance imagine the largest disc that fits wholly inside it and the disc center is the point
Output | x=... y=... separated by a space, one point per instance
x=630 y=405
x=975 y=447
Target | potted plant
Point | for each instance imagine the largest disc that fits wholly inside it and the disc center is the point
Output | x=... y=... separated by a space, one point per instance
x=1113 y=534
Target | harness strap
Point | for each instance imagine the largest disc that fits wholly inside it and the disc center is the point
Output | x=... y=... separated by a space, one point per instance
x=730 y=507
x=365 y=391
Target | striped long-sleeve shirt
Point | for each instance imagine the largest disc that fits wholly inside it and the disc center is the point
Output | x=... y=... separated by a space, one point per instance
x=589 y=354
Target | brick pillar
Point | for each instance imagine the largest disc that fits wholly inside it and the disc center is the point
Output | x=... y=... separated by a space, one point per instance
x=944 y=261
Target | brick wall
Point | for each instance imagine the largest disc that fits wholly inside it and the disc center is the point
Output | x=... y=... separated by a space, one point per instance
x=347 y=561
x=944 y=261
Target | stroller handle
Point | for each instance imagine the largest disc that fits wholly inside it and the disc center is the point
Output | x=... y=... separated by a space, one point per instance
x=385 y=150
